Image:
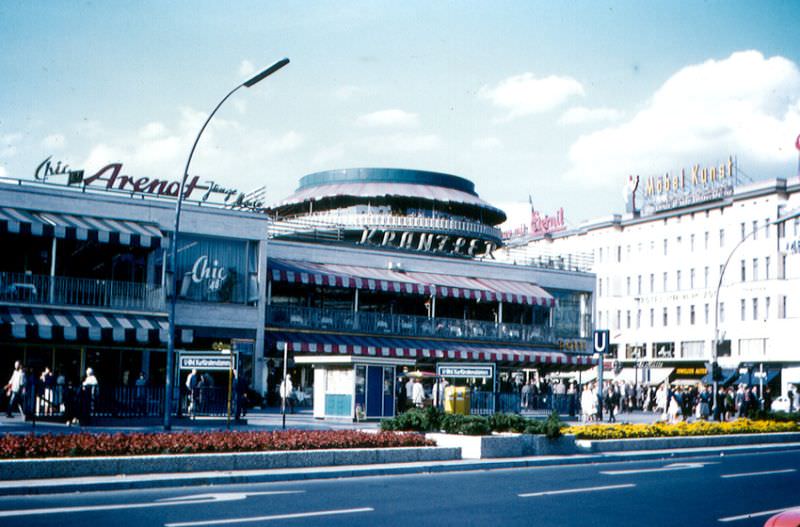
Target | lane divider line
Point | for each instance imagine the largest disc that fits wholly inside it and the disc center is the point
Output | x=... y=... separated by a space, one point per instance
x=764 y=473
x=576 y=491
x=290 y=516
x=754 y=514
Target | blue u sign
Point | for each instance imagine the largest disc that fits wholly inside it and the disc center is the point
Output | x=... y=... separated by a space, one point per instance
x=601 y=337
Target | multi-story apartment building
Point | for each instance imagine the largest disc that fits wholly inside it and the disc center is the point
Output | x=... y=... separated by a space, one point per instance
x=658 y=273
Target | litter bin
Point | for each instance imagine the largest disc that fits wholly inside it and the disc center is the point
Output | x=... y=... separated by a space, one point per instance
x=456 y=400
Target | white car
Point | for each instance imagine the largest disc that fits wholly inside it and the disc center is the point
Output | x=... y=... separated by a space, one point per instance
x=781 y=404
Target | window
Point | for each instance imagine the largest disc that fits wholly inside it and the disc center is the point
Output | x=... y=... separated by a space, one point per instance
x=742 y=304
x=665 y=282
x=652 y=317
x=599 y=287
x=628 y=319
x=755 y=309
x=678 y=241
x=678 y=315
x=691 y=242
x=652 y=282
x=782 y=306
x=691 y=278
x=665 y=318
x=766 y=308
x=744 y=272
x=639 y=318
x=705 y=277
x=601 y=254
x=721 y=312
x=677 y=280
x=705 y=240
x=722 y=237
x=766 y=228
x=743 y=227
x=755 y=268
x=782 y=268
x=628 y=286
x=639 y=285
x=619 y=253
x=665 y=246
x=705 y=311
x=755 y=230
x=619 y=317
x=691 y=315
x=766 y=268
x=600 y=319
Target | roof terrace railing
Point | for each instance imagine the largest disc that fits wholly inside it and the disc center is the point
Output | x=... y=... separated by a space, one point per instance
x=296 y=317
x=26 y=288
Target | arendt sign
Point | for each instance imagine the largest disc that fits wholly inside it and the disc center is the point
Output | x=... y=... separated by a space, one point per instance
x=110 y=177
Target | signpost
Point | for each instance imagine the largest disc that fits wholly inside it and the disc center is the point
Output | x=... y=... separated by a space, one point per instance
x=601 y=343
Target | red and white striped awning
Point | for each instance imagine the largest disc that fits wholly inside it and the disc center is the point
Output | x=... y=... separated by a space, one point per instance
x=368 y=346
x=411 y=282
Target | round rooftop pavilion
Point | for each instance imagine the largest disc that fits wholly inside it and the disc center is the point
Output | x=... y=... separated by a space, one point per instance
x=396 y=191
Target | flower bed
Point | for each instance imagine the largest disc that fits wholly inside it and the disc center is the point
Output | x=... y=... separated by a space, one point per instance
x=131 y=444
x=699 y=428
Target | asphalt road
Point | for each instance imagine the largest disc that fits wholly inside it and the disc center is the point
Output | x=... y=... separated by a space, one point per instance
x=735 y=490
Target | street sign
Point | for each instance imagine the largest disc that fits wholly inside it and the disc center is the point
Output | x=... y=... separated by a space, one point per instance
x=207 y=361
x=465 y=371
x=600 y=341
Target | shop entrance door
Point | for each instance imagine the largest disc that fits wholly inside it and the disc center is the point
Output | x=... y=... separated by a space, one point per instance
x=375 y=391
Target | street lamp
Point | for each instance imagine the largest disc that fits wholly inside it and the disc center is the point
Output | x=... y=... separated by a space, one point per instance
x=174 y=247
x=715 y=342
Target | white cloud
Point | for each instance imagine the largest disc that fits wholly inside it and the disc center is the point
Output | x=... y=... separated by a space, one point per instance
x=8 y=145
x=389 y=118
x=525 y=94
x=328 y=155
x=583 y=115
x=386 y=144
x=246 y=69
x=3 y=172
x=487 y=143
x=54 y=142
x=152 y=130
x=345 y=93
x=743 y=105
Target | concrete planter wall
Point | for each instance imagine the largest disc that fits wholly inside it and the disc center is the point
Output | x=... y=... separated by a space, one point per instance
x=109 y=466
x=505 y=445
x=586 y=446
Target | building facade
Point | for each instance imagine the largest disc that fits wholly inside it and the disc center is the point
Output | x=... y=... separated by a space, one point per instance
x=658 y=274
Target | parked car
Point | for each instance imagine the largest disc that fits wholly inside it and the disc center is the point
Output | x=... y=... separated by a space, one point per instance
x=787 y=518
x=781 y=404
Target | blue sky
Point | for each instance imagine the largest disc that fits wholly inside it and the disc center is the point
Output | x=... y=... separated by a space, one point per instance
x=560 y=100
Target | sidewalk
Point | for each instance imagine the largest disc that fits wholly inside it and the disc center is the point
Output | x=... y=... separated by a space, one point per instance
x=269 y=419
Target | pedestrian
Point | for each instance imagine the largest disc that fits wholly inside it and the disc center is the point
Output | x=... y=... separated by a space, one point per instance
x=193 y=391
x=286 y=391
x=240 y=392
x=587 y=404
x=48 y=383
x=410 y=392
x=91 y=390
x=612 y=400
x=14 y=390
x=417 y=393
x=141 y=394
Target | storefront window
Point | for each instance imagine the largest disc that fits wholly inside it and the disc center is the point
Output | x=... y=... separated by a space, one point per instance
x=214 y=269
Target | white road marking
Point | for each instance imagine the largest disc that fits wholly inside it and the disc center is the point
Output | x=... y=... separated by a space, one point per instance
x=576 y=491
x=765 y=473
x=269 y=518
x=169 y=502
x=667 y=468
x=755 y=514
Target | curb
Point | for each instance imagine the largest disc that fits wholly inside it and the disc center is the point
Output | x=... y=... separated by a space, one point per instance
x=148 y=481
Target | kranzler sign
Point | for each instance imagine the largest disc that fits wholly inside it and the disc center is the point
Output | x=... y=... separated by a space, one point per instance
x=427 y=242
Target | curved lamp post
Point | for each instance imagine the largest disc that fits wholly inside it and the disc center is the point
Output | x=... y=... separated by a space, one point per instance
x=714 y=344
x=174 y=247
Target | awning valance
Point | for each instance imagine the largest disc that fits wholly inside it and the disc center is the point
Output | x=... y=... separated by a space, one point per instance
x=328 y=343
x=411 y=282
x=79 y=227
x=74 y=325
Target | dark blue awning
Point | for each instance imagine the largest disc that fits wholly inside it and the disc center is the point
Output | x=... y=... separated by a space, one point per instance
x=728 y=375
x=752 y=379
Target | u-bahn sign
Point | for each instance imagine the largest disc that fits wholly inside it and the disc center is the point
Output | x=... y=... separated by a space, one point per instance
x=465 y=371
x=206 y=361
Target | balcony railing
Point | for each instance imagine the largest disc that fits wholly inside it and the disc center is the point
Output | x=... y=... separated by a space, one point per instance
x=65 y=291
x=410 y=325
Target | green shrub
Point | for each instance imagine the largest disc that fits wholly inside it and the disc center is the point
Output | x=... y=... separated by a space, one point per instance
x=473 y=425
x=507 y=423
x=416 y=419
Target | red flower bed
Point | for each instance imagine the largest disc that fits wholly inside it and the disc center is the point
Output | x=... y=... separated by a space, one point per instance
x=122 y=444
